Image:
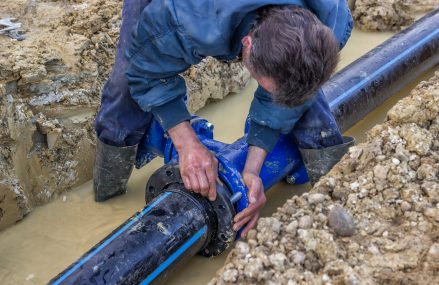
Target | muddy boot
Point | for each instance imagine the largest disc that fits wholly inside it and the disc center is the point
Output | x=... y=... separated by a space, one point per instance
x=319 y=162
x=113 y=167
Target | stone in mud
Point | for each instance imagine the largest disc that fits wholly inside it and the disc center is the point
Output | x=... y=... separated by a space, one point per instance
x=253 y=268
x=316 y=198
x=13 y=203
x=299 y=257
x=341 y=222
x=291 y=228
x=431 y=189
x=433 y=252
x=432 y=213
x=305 y=222
x=419 y=140
x=381 y=15
x=230 y=275
x=278 y=261
x=271 y=229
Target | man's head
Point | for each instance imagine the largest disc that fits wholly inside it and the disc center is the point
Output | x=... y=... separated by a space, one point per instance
x=290 y=53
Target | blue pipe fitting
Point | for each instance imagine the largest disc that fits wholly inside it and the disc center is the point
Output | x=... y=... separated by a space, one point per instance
x=284 y=160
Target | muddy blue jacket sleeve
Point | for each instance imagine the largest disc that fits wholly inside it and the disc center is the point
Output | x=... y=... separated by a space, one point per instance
x=156 y=56
x=269 y=120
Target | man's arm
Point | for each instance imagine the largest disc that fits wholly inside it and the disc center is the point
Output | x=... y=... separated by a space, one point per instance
x=158 y=53
x=267 y=123
x=198 y=166
x=250 y=215
x=269 y=120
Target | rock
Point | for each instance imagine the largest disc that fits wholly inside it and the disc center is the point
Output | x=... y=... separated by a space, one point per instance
x=432 y=213
x=418 y=139
x=299 y=257
x=379 y=15
x=305 y=222
x=373 y=250
x=269 y=229
x=278 y=261
x=433 y=252
x=242 y=248
x=316 y=198
x=230 y=275
x=341 y=222
x=291 y=228
x=13 y=202
x=405 y=206
x=431 y=189
x=253 y=269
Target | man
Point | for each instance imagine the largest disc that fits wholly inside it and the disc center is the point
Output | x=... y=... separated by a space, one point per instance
x=290 y=47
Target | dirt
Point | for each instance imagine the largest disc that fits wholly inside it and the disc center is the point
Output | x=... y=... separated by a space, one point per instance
x=50 y=86
x=380 y=15
x=372 y=220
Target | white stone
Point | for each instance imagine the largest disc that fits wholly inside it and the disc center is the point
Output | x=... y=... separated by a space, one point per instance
x=299 y=257
x=355 y=185
x=316 y=198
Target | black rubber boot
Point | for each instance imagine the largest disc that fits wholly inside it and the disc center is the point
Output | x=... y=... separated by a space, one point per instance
x=113 y=167
x=319 y=162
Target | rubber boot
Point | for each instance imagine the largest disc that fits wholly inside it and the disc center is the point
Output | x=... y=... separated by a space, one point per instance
x=319 y=162
x=113 y=167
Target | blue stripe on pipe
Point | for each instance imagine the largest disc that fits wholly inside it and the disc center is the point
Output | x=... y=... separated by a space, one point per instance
x=381 y=69
x=174 y=256
x=110 y=239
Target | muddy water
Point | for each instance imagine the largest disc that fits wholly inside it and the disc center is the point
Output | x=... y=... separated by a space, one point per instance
x=55 y=235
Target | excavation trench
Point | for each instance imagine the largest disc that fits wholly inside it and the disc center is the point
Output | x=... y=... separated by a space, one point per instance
x=55 y=235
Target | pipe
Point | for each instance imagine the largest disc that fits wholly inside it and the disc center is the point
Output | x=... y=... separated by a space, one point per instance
x=176 y=224
x=370 y=80
x=171 y=229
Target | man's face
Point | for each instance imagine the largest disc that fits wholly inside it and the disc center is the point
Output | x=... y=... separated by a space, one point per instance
x=266 y=82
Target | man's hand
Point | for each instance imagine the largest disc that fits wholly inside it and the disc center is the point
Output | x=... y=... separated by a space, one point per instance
x=250 y=215
x=198 y=166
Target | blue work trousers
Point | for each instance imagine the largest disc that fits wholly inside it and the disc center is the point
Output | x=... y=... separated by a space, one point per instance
x=121 y=122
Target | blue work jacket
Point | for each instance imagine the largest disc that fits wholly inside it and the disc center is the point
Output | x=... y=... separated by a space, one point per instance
x=173 y=35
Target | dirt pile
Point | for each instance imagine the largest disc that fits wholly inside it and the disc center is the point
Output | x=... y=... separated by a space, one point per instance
x=379 y=15
x=50 y=86
x=372 y=220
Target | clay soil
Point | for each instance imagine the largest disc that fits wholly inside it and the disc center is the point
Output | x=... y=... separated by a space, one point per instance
x=387 y=187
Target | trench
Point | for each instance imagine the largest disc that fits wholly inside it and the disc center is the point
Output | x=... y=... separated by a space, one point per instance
x=55 y=235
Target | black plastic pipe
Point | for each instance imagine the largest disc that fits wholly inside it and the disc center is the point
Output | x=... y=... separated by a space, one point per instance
x=168 y=231
x=176 y=224
x=370 y=80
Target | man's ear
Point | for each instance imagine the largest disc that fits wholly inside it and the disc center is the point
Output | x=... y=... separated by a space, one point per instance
x=247 y=41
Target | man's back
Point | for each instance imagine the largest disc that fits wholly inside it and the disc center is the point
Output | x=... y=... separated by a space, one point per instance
x=194 y=29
